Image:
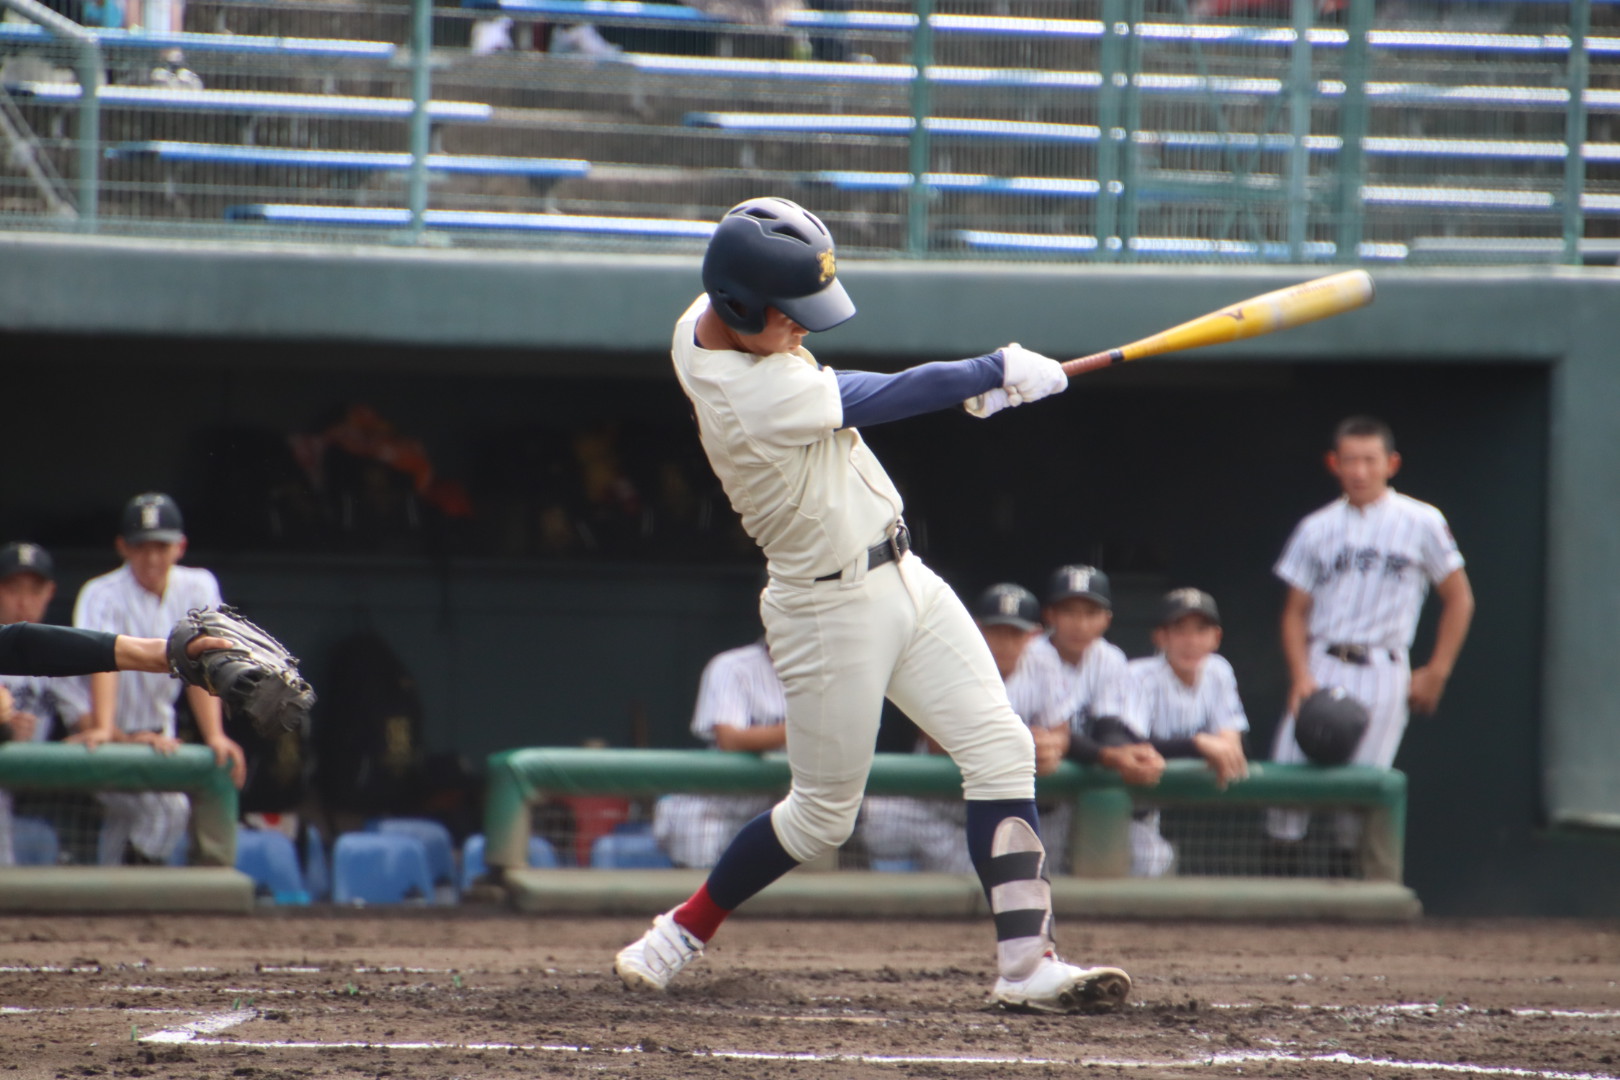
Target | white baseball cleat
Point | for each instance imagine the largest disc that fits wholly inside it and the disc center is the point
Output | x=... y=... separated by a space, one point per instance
x=652 y=960
x=1059 y=987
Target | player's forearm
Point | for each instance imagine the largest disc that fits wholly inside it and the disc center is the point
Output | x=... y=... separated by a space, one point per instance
x=205 y=709
x=34 y=649
x=872 y=398
x=141 y=654
x=1183 y=746
x=1295 y=634
x=756 y=740
x=1456 y=616
x=103 y=702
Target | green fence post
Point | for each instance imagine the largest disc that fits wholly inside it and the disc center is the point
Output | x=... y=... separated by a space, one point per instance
x=421 y=94
x=922 y=59
x=1101 y=843
x=1111 y=133
x=1301 y=92
x=1352 y=133
x=1580 y=22
x=89 y=66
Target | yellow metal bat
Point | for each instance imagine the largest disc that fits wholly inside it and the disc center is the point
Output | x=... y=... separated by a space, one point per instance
x=1293 y=306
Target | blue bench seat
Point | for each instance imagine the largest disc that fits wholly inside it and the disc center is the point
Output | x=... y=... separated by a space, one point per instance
x=293 y=214
x=226 y=154
x=1058 y=187
x=29 y=33
x=1165 y=246
x=610 y=12
x=938 y=126
x=255 y=102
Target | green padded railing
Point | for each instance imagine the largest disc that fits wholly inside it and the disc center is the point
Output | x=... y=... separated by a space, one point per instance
x=28 y=766
x=519 y=778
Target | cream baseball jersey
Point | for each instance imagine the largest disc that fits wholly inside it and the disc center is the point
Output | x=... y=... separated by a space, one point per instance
x=810 y=493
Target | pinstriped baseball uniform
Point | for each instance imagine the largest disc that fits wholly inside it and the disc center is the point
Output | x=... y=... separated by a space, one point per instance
x=153 y=822
x=1367 y=570
x=929 y=833
x=739 y=689
x=1099 y=685
x=814 y=497
x=1171 y=709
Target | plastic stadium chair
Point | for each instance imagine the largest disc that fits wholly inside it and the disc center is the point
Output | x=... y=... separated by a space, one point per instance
x=380 y=868
x=441 y=847
x=893 y=866
x=317 y=867
x=34 y=843
x=628 y=851
x=271 y=860
x=542 y=856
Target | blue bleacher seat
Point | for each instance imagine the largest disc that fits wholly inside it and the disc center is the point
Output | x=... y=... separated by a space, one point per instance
x=291 y=214
x=317 y=867
x=27 y=33
x=380 y=868
x=893 y=866
x=229 y=154
x=436 y=839
x=34 y=842
x=629 y=846
x=256 y=102
x=542 y=856
x=271 y=860
x=1057 y=187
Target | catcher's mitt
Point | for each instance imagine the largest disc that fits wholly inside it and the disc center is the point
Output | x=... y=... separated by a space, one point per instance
x=257 y=679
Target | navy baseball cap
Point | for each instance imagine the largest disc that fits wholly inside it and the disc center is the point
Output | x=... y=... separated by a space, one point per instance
x=26 y=559
x=152 y=516
x=1179 y=603
x=1007 y=605
x=1086 y=582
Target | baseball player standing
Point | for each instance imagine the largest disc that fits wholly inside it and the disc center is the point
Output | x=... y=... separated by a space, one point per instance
x=850 y=614
x=1357 y=572
x=740 y=706
x=145 y=597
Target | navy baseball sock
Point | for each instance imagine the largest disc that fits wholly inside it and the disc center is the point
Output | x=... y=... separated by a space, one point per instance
x=982 y=818
x=753 y=860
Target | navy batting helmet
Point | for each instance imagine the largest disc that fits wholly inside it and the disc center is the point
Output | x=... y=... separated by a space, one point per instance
x=1329 y=726
x=774 y=253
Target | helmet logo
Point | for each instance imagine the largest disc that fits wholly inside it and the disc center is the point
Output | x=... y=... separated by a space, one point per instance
x=829 y=266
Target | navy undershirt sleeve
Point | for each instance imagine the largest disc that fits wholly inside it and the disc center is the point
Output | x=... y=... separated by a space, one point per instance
x=872 y=398
x=32 y=649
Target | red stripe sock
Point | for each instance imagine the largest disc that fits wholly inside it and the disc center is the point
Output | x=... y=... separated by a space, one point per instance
x=701 y=916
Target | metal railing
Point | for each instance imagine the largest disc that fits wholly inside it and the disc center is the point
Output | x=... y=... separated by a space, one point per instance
x=1127 y=130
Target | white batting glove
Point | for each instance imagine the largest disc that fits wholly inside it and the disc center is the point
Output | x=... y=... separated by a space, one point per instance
x=987 y=404
x=1029 y=376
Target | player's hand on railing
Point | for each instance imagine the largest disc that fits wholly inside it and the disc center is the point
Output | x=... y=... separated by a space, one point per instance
x=228 y=754
x=1224 y=754
x=1138 y=764
x=1051 y=744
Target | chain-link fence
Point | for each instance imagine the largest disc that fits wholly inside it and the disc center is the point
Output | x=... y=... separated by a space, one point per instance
x=1189 y=130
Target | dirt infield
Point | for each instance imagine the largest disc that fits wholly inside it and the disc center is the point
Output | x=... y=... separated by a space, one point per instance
x=463 y=994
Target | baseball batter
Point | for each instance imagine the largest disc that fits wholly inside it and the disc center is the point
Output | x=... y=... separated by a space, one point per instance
x=1357 y=572
x=850 y=614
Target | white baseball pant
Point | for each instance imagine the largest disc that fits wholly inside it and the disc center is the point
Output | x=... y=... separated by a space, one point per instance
x=841 y=647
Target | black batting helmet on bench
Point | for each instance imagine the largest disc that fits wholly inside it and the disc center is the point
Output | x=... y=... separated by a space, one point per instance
x=773 y=252
x=1329 y=726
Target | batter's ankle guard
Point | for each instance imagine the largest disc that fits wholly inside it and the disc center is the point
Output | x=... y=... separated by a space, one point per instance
x=1020 y=898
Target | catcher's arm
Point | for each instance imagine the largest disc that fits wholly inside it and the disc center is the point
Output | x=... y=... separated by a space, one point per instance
x=152 y=654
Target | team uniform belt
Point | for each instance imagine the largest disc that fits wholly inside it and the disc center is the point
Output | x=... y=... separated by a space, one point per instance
x=886 y=551
x=1360 y=655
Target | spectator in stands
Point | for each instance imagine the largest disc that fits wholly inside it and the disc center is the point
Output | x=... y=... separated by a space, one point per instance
x=930 y=834
x=741 y=705
x=145 y=597
x=32 y=708
x=1190 y=704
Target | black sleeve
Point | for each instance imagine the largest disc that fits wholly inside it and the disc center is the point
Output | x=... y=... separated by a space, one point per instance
x=1087 y=744
x=1180 y=746
x=31 y=649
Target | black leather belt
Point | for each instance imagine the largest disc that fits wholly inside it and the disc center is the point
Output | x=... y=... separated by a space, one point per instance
x=1360 y=655
x=887 y=551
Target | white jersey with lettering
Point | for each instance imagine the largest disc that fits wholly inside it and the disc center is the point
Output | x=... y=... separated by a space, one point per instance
x=1099 y=685
x=116 y=602
x=739 y=689
x=843 y=633
x=1171 y=709
x=1367 y=571
x=53 y=701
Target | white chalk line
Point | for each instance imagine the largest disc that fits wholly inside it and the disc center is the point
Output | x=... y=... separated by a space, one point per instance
x=1430 y=1009
x=13 y=1010
x=207 y=1025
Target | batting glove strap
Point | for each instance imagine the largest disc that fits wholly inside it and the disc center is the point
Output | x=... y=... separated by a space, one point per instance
x=987 y=404
x=1029 y=376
